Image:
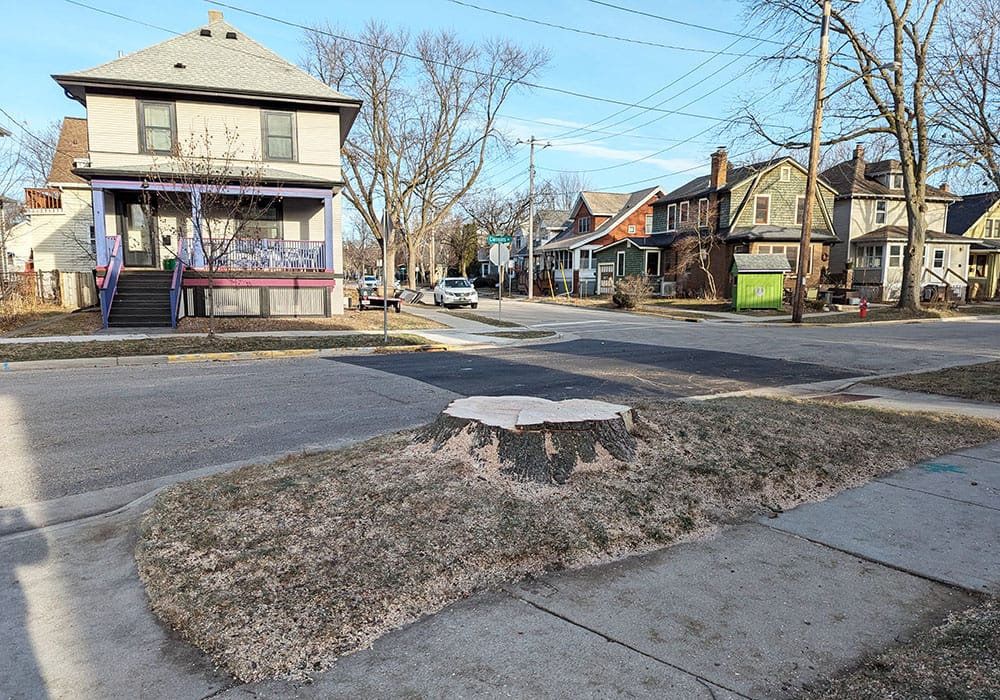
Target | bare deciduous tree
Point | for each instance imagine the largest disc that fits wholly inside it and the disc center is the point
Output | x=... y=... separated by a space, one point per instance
x=561 y=191
x=695 y=249
x=890 y=54
x=461 y=243
x=968 y=86
x=427 y=122
x=361 y=249
x=37 y=152
x=215 y=189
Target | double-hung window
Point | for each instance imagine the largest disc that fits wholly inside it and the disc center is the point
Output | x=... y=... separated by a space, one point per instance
x=992 y=229
x=939 y=258
x=800 y=209
x=702 y=213
x=895 y=256
x=157 y=127
x=881 y=211
x=583 y=224
x=671 y=217
x=649 y=223
x=279 y=135
x=762 y=209
x=620 y=264
x=685 y=208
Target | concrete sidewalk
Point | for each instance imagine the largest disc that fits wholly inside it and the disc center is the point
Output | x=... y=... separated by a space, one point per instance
x=753 y=611
x=756 y=611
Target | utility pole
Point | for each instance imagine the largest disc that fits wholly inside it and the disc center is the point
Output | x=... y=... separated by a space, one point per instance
x=531 y=213
x=798 y=300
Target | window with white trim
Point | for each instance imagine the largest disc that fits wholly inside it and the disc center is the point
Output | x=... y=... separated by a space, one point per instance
x=685 y=209
x=671 y=217
x=800 y=209
x=992 y=229
x=649 y=223
x=868 y=257
x=652 y=262
x=157 y=127
x=583 y=224
x=762 y=209
x=896 y=181
x=278 y=135
x=791 y=253
x=939 y=258
x=620 y=264
x=703 y=212
x=631 y=228
x=895 y=256
x=881 y=211
x=786 y=173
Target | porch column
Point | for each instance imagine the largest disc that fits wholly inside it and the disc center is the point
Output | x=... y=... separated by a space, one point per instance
x=328 y=231
x=198 y=254
x=100 y=228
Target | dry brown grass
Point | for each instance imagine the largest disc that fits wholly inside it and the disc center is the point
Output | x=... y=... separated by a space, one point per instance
x=974 y=382
x=82 y=322
x=352 y=320
x=16 y=312
x=959 y=660
x=278 y=569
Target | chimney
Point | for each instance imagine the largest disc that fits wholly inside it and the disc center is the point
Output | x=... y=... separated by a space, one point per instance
x=214 y=16
x=859 y=152
x=720 y=166
x=945 y=187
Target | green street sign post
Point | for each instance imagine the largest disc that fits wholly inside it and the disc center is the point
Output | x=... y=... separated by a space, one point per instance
x=490 y=240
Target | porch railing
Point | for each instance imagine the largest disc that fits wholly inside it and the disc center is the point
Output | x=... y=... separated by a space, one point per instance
x=265 y=254
x=109 y=285
x=42 y=198
x=176 y=286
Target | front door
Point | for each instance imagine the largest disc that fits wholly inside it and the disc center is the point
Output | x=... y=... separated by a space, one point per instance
x=137 y=235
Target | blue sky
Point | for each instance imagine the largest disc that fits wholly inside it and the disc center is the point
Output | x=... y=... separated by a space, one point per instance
x=636 y=149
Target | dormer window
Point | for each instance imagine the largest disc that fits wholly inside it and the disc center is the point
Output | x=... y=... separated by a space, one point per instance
x=895 y=181
x=583 y=224
x=157 y=127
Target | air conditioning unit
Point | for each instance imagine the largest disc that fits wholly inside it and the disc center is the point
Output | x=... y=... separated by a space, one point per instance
x=668 y=288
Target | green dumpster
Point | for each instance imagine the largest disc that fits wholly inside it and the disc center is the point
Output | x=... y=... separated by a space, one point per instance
x=760 y=280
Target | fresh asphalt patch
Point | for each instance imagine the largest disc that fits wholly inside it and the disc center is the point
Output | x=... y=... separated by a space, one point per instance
x=590 y=368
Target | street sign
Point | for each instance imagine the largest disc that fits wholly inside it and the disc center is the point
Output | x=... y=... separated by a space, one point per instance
x=498 y=239
x=499 y=254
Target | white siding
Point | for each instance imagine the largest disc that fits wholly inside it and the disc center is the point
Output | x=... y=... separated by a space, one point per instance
x=60 y=239
x=215 y=129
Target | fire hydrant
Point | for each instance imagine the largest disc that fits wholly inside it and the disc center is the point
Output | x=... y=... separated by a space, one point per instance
x=863 y=309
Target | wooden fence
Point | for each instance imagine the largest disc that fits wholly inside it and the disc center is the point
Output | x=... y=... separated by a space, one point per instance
x=72 y=290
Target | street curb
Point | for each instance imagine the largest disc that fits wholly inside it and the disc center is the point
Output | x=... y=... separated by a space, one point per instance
x=140 y=360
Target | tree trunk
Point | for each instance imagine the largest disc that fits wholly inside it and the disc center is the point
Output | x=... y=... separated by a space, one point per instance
x=530 y=439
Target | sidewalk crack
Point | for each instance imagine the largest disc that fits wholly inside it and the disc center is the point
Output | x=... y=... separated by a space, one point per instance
x=705 y=682
x=936 y=495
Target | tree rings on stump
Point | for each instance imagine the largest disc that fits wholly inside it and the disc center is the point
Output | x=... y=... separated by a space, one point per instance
x=535 y=439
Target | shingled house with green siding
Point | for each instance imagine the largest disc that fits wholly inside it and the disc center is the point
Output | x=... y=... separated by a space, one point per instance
x=635 y=255
x=751 y=209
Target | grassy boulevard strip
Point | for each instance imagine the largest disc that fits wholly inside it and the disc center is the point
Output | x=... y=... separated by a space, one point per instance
x=276 y=570
x=195 y=345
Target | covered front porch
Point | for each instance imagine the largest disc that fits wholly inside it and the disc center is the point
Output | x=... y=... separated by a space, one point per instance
x=277 y=259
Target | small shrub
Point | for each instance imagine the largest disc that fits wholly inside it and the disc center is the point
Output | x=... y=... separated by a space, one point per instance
x=631 y=292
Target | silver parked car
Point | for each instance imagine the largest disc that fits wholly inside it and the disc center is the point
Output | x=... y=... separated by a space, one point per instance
x=455 y=291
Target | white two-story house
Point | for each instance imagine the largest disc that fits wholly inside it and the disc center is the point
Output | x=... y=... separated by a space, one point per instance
x=869 y=217
x=212 y=112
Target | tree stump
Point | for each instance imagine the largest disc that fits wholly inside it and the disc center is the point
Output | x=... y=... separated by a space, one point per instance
x=534 y=439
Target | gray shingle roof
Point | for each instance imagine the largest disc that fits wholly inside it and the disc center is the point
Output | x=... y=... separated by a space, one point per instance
x=605 y=203
x=211 y=64
x=964 y=214
x=626 y=204
x=900 y=233
x=760 y=262
x=770 y=232
x=856 y=178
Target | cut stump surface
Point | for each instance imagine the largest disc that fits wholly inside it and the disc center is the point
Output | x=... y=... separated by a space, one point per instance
x=535 y=439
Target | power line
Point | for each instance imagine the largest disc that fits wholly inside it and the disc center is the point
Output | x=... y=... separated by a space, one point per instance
x=693 y=25
x=473 y=71
x=601 y=35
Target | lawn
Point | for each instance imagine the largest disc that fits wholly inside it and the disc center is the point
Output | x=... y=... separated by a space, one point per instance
x=88 y=322
x=278 y=569
x=975 y=382
x=14 y=315
x=959 y=660
x=167 y=345
x=488 y=320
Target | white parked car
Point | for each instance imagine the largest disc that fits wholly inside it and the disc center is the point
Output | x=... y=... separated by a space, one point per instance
x=455 y=291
